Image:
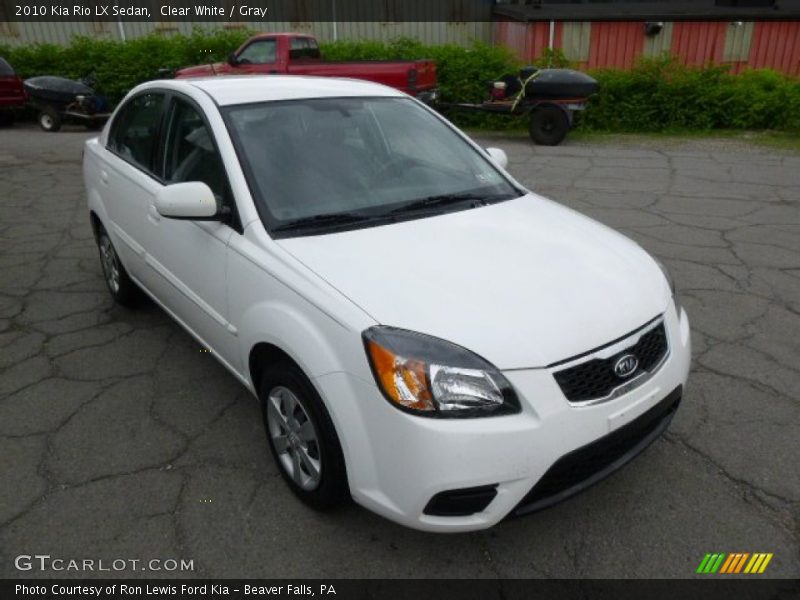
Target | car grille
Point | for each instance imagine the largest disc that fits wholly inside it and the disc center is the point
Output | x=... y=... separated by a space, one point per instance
x=589 y=464
x=595 y=379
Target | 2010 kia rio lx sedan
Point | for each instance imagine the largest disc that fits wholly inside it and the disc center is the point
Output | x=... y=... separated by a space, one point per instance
x=423 y=333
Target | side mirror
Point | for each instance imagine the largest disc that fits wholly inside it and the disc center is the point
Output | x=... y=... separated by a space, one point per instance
x=498 y=156
x=192 y=201
x=232 y=60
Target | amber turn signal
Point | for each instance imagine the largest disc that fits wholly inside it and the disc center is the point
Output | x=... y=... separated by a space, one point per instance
x=405 y=381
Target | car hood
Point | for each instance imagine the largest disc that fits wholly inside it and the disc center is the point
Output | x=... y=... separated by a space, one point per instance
x=523 y=283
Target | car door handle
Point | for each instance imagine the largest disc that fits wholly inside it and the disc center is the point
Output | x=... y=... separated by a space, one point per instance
x=104 y=176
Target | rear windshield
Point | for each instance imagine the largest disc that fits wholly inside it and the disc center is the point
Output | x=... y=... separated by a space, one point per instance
x=5 y=68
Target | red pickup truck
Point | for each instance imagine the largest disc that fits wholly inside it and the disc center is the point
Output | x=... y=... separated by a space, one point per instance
x=12 y=94
x=298 y=54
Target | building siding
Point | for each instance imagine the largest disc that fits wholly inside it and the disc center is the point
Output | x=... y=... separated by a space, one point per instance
x=776 y=45
x=462 y=33
x=699 y=42
x=617 y=44
x=575 y=40
x=661 y=43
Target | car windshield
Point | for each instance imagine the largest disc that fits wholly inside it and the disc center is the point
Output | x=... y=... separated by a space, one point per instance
x=340 y=163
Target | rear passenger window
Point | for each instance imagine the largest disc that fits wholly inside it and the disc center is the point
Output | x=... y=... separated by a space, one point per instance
x=303 y=47
x=133 y=133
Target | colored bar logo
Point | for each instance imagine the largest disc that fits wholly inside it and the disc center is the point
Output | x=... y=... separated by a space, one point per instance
x=734 y=563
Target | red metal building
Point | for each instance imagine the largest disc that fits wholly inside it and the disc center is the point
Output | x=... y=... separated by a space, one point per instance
x=741 y=33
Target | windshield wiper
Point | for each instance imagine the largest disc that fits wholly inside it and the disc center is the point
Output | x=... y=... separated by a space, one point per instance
x=345 y=218
x=447 y=199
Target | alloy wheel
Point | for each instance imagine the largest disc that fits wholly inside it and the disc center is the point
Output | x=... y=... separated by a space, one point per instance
x=294 y=438
x=108 y=257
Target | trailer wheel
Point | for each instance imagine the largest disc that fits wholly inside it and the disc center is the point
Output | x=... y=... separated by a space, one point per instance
x=49 y=119
x=549 y=125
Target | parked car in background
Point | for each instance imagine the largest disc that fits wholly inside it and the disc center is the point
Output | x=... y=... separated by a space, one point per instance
x=299 y=54
x=423 y=333
x=12 y=92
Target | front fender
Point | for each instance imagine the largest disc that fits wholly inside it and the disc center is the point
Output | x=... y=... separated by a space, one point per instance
x=317 y=343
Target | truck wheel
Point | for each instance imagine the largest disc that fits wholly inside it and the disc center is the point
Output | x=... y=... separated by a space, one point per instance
x=302 y=437
x=49 y=120
x=549 y=125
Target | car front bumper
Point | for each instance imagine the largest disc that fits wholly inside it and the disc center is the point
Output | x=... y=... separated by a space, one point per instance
x=398 y=462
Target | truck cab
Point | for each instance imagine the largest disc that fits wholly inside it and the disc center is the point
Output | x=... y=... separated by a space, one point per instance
x=299 y=54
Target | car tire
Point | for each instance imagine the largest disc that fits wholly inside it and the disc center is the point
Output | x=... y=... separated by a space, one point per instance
x=549 y=125
x=302 y=438
x=49 y=120
x=6 y=119
x=122 y=288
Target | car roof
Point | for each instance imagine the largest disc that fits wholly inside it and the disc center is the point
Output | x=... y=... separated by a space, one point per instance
x=229 y=89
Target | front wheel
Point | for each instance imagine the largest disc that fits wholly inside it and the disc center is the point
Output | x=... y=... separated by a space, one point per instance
x=549 y=125
x=123 y=289
x=302 y=437
x=49 y=120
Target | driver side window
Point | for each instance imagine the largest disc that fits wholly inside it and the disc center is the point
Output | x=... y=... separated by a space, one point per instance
x=258 y=53
x=190 y=153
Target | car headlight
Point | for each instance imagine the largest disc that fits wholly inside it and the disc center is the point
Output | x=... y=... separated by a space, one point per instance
x=671 y=282
x=431 y=377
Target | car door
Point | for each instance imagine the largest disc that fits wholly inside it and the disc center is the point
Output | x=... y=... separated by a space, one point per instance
x=127 y=183
x=189 y=257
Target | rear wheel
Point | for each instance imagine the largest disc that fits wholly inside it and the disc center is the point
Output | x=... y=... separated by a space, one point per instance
x=121 y=286
x=302 y=438
x=49 y=119
x=549 y=125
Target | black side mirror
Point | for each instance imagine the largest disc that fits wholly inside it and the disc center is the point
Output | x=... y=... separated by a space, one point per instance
x=232 y=60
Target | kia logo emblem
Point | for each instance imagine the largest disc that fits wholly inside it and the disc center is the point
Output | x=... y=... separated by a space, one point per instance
x=626 y=366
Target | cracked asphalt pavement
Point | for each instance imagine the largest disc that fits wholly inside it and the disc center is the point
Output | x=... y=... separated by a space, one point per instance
x=120 y=438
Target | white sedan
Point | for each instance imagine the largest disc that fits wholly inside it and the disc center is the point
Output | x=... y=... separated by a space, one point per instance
x=424 y=334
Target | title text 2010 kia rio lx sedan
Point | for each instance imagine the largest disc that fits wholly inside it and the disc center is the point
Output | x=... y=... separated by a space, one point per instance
x=423 y=333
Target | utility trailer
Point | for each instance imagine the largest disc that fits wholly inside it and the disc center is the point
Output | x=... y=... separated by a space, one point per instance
x=549 y=98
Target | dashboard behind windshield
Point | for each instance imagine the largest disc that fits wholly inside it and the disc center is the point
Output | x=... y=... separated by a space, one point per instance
x=310 y=162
